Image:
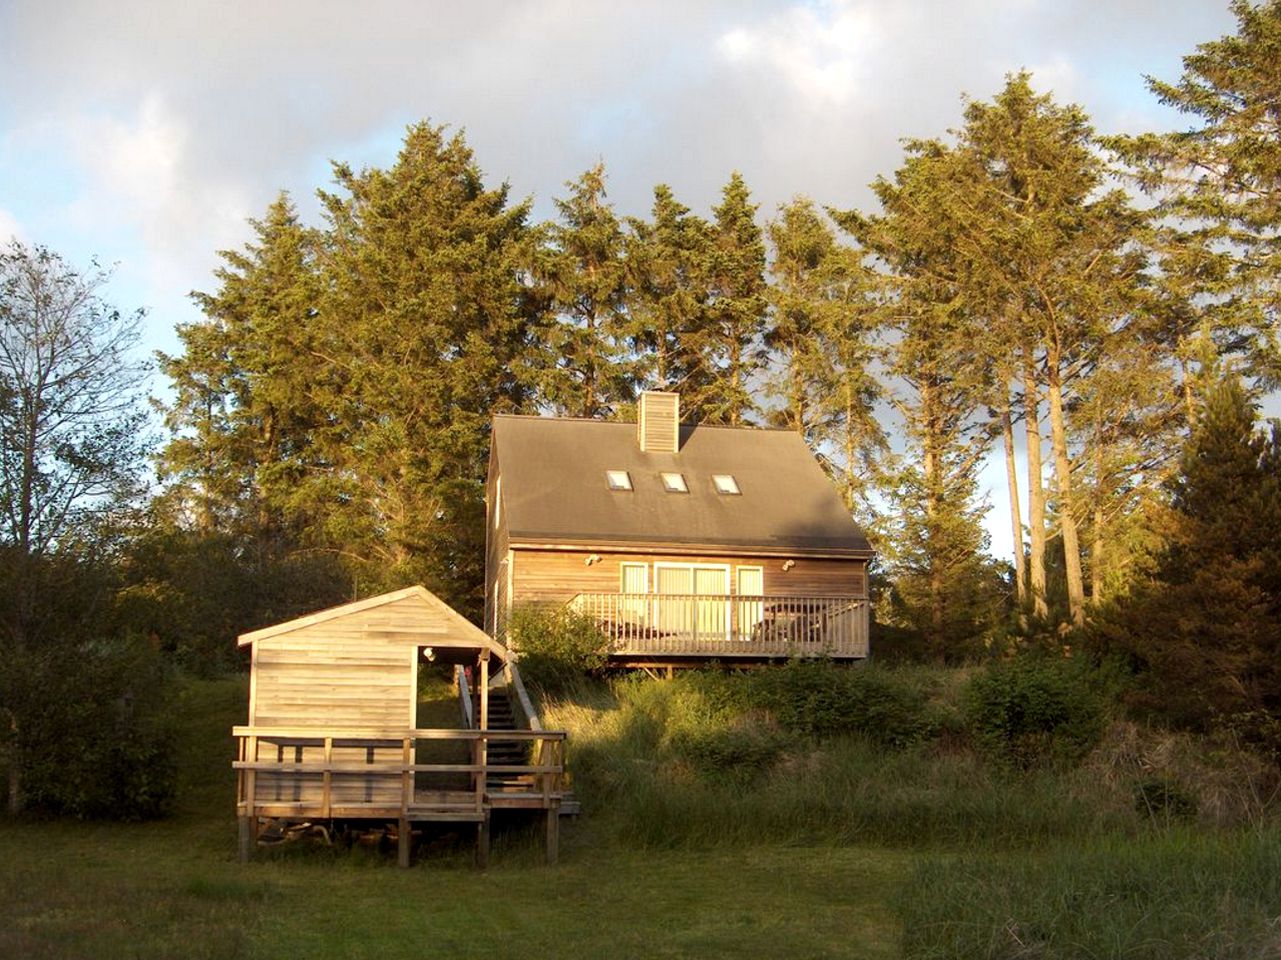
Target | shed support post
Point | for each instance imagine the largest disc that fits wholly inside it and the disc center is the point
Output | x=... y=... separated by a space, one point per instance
x=402 y=842
x=482 y=843
x=553 y=833
x=246 y=838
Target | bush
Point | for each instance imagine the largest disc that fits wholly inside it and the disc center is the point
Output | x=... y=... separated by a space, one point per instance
x=1162 y=799
x=1033 y=710
x=820 y=699
x=736 y=753
x=93 y=733
x=558 y=647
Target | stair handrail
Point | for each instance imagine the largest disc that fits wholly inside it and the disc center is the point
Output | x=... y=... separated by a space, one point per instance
x=512 y=674
x=464 y=697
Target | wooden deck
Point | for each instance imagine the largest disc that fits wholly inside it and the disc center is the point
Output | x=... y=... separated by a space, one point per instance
x=705 y=626
x=305 y=774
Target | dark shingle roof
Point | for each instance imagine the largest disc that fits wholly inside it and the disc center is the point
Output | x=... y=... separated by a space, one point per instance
x=554 y=489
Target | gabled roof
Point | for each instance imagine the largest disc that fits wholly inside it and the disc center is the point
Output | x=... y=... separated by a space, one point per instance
x=461 y=631
x=554 y=489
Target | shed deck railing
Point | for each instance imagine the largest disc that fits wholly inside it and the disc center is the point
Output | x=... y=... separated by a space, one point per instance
x=298 y=772
x=714 y=625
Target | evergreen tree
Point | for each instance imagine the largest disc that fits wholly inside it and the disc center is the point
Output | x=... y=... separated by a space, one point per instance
x=1222 y=178
x=819 y=336
x=1206 y=627
x=728 y=347
x=428 y=329
x=584 y=270
x=668 y=309
x=1057 y=259
x=933 y=541
x=243 y=412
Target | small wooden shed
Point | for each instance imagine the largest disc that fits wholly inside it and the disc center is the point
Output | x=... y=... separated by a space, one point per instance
x=332 y=729
x=356 y=666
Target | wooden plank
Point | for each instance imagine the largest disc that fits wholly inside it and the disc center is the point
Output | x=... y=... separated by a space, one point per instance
x=390 y=736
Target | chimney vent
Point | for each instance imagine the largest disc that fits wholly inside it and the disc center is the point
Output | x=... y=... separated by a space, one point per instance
x=658 y=427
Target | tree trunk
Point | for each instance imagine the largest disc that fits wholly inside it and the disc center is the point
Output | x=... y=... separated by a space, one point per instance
x=1096 y=527
x=15 y=769
x=933 y=501
x=1063 y=484
x=1016 y=520
x=1035 y=494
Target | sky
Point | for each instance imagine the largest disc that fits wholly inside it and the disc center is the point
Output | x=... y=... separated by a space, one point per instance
x=144 y=134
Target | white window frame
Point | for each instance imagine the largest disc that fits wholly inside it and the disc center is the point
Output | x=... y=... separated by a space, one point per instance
x=622 y=574
x=729 y=583
x=679 y=477
x=626 y=477
x=736 y=492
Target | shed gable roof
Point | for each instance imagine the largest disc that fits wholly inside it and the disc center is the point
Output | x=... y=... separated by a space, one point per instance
x=459 y=631
x=554 y=488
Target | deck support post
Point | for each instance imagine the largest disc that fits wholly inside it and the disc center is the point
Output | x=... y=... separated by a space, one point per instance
x=247 y=838
x=553 y=833
x=403 y=838
x=482 y=843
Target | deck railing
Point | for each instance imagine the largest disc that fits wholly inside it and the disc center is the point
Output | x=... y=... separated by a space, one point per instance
x=710 y=625
x=296 y=772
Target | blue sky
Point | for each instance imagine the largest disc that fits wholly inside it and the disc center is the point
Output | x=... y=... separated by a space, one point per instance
x=145 y=133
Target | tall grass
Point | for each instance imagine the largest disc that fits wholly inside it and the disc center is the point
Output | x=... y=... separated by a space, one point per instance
x=670 y=765
x=1160 y=895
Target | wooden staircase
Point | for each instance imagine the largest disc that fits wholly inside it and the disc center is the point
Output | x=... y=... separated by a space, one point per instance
x=506 y=752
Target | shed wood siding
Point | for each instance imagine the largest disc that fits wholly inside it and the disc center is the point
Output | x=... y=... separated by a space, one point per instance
x=354 y=671
x=540 y=576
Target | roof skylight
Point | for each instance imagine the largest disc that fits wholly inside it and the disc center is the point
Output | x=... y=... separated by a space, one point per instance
x=618 y=479
x=674 y=482
x=726 y=484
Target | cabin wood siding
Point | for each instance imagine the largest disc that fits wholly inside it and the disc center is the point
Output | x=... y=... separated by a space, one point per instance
x=496 y=541
x=556 y=576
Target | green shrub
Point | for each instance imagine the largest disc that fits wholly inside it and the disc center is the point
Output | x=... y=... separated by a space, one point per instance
x=94 y=736
x=820 y=699
x=737 y=753
x=1034 y=710
x=558 y=647
x=1162 y=799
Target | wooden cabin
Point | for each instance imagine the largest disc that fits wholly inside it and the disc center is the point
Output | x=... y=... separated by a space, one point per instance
x=332 y=731
x=684 y=543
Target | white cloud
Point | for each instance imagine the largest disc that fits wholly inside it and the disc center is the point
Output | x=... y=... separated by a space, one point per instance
x=182 y=119
x=1058 y=76
x=820 y=52
x=10 y=228
x=141 y=171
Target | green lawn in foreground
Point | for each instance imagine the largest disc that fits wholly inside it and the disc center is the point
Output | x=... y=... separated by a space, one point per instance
x=173 y=889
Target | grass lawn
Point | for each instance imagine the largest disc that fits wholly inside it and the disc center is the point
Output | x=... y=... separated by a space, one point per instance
x=173 y=889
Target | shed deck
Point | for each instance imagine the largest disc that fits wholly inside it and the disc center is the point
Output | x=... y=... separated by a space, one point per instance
x=309 y=774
